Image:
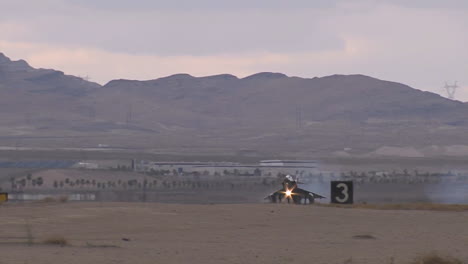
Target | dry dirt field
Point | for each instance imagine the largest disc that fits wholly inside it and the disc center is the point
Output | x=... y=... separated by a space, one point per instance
x=242 y=233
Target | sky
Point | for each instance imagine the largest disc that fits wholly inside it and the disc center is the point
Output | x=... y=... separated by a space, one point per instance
x=422 y=43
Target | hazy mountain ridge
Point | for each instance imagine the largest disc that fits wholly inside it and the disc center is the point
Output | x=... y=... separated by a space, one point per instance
x=256 y=112
x=20 y=75
x=355 y=97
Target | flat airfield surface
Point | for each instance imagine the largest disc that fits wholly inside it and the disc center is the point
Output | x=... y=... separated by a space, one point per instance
x=235 y=233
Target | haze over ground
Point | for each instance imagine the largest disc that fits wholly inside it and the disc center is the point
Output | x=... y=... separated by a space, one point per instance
x=421 y=44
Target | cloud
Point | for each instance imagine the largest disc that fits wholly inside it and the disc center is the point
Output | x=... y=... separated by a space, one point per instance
x=201 y=4
x=421 y=48
x=183 y=33
x=126 y=5
x=453 y=4
x=29 y=9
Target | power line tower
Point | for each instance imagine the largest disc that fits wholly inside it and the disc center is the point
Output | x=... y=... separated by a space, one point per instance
x=128 y=118
x=92 y=111
x=451 y=89
x=85 y=78
x=299 y=123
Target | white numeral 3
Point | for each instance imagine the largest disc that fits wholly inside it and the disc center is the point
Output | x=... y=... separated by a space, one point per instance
x=344 y=192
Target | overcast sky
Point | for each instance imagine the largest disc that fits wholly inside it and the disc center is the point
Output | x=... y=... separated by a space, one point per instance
x=422 y=43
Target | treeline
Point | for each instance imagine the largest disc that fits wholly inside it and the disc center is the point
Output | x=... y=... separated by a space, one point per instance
x=161 y=184
x=404 y=176
x=28 y=181
x=164 y=172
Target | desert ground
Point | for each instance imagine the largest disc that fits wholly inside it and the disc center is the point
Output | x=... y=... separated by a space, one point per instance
x=224 y=219
x=222 y=233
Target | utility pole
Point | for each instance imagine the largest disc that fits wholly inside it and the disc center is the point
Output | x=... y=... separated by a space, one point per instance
x=128 y=118
x=451 y=89
x=299 y=123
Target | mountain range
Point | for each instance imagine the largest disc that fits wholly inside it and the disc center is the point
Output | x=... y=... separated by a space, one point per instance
x=267 y=113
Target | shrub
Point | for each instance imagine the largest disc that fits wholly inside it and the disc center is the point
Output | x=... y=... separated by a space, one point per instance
x=434 y=258
x=48 y=200
x=56 y=240
x=63 y=199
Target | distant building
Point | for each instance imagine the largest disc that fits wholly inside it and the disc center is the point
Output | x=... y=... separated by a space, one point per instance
x=87 y=165
x=310 y=164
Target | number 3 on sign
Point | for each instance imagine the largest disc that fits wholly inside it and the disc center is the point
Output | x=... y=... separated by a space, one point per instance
x=342 y=192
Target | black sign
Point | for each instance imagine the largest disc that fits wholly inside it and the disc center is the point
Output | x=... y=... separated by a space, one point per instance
x=342 y=192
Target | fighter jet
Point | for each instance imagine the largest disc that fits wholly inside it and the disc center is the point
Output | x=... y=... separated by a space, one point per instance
x=291 y=192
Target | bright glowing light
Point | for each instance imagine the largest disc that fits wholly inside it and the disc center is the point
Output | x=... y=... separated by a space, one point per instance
x=288 y=193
